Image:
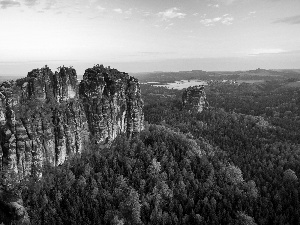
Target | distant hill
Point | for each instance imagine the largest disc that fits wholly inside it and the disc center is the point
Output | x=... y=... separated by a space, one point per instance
x=288 y=70
x=258 y=74
x=9 y=77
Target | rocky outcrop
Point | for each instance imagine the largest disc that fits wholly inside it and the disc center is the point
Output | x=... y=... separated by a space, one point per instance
x=194 y=99
x=41 y=122
x=47 y=117
x=112 y=103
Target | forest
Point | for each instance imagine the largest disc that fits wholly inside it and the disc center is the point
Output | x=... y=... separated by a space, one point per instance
x=257 y=126
x=237 y=162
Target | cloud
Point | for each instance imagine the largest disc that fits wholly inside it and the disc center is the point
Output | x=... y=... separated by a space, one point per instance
x=171 y=14
x=262 y=51
x=118 y=10
x=214 y=5
x=225 y=19
x=146 y=13
x=92 y=1
x=50 y=4
x=169 y=26
x=8 y=3
x=250 y=15
x=31 y=2
x=289 y=20
x=101 y=9
x=228 y=2
x=225 y=2
x=128 y=12
x=210 y=22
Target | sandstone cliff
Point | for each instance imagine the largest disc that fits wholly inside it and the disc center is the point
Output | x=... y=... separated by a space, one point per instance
x=41 y=121
x=112 y=103
x=47 y=117
x=194 y=99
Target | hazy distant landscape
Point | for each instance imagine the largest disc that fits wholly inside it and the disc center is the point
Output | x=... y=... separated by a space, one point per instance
x=184 y=79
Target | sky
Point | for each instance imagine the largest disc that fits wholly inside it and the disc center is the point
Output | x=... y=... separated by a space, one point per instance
x=149 y=35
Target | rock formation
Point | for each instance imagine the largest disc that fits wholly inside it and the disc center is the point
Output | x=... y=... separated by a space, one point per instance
x=194 y=99
x=112 y=103
x=41 y=121
x=47 y=117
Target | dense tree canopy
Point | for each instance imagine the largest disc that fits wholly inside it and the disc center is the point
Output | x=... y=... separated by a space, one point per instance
x=162 y=177
x=236 y=163
x=258 y=128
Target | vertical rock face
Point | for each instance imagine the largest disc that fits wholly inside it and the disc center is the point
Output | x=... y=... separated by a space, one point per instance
x=41 y=121
x=194 y=99
x=46 y=117
x=112 y=103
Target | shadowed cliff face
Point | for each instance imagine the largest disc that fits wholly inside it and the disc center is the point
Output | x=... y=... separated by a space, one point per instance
x=194 y=99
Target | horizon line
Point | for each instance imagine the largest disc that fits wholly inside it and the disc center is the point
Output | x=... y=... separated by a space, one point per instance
x=182 y=71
